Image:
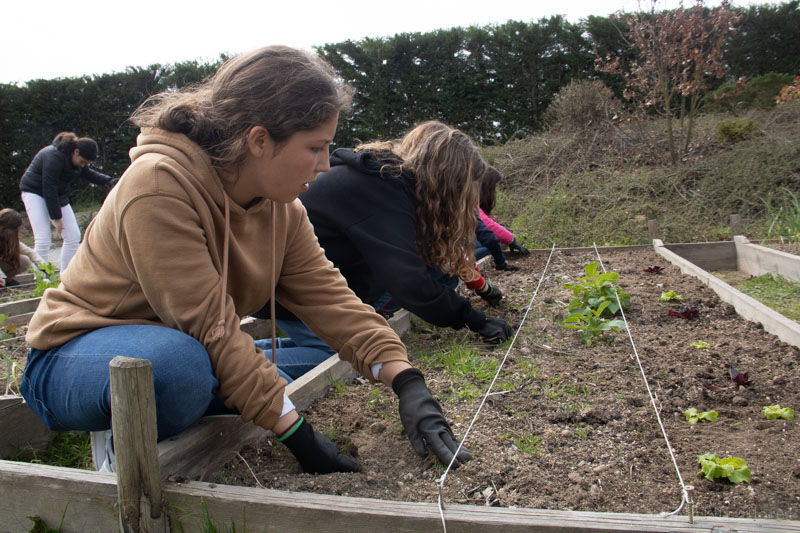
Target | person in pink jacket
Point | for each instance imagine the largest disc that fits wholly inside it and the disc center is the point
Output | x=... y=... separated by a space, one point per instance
x=487 y=201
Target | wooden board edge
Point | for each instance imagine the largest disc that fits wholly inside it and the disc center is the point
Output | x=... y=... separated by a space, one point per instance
x=86 y=501
x=748 y=308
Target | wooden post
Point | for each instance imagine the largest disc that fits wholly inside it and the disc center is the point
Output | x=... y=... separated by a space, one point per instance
x=133 y=423
x=652 y=226
x=736 y=225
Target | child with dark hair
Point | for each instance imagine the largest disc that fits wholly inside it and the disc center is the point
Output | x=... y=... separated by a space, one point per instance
x=488 y=198
x=45 y=190
x=15 y=256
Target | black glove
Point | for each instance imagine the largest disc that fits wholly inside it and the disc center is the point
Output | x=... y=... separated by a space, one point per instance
x=315 y=452
x=423 y=420
x=492 y=295
x=494 y=330
x=514 y=246
x=506 y=266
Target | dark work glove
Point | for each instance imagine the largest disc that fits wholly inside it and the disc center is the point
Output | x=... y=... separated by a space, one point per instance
x=423 y=420
x=494 y=330
x=315 y=452
x=514 y=246
x=506 y=266
x=492 y=295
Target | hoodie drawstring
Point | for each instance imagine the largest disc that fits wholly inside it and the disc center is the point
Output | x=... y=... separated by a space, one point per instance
x=272 y=293
x=219 y=330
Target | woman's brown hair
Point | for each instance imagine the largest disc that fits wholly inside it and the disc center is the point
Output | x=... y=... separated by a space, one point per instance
x=66 y=142
x=280 y=88
x=10 y=222
x=447 y=168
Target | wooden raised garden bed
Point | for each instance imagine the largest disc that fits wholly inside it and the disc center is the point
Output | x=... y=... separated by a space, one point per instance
x=589 y=406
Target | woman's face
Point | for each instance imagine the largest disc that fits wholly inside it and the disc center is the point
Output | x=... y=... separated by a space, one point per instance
x=78 y=160
x=282 y=172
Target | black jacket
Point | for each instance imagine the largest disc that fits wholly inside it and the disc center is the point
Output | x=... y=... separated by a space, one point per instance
x=50 y=174
x=367 y=225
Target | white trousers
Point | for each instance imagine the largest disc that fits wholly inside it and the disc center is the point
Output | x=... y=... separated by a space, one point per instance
x=39 y=218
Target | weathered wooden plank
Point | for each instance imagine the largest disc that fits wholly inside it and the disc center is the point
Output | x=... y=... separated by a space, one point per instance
x=748 y=308
x=133 y=404
x=20 y=428
x=759 y=260
x=208 y=443
x=20 y=307
x=707 y=255
x=19 y=320
x=86 y=501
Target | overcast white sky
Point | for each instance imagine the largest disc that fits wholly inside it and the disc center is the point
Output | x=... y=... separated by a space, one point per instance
x=52 y=39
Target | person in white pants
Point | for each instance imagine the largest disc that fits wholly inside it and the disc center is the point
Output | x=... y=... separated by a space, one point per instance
x=45 y=191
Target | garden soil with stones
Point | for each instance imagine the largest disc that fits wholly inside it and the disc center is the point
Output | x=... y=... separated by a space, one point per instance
x=568 y=426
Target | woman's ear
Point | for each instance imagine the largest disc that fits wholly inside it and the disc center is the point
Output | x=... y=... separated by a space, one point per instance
x=258 y=141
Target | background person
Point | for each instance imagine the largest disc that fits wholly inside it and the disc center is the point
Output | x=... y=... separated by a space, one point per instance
x=488 y=198
x=204 y=228
x=15 y=256
x=397 y=217
x=45 y=191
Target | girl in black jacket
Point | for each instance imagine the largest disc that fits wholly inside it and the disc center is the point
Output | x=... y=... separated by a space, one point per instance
x=388 y=211
x=45 y=191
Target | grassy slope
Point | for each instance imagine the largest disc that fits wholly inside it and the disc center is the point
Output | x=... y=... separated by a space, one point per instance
x=602 y=185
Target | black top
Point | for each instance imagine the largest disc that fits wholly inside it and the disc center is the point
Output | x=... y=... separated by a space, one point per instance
x=50 y=174
x=367 y=225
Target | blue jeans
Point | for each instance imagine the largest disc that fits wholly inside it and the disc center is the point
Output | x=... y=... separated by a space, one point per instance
x=480 y=250
x=298 y=353
x=68 y=387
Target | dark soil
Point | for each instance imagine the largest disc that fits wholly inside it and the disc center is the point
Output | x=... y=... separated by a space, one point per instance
x=572 y=427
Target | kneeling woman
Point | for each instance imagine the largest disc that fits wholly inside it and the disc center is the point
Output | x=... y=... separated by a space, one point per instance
x=398 y=218
x=202 y=229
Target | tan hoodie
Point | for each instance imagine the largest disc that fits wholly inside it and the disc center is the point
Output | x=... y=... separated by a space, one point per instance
x=154 y=254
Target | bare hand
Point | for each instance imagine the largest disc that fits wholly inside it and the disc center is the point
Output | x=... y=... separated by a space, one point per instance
x=59 y=224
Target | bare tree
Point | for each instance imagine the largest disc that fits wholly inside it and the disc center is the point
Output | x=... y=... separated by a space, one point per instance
x=677 y=53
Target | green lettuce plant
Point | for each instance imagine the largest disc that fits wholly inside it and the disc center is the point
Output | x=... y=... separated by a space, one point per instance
x=669 y=296
x=773 y=412
x=693 y=416
x=733 y=469
x=591 y=323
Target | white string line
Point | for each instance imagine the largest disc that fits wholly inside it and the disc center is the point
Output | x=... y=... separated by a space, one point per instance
x=485 y=396
x=684 y=489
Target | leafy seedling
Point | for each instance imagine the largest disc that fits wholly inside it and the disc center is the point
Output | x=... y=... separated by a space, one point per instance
x=655 y=269
x=591 y=323
x=46 y=278
x=733 y=469
x=669 y=296
x=773 y=412
x=693 y=416
x=684 y=311
x=700 y=345
x=739 y=379
x=595 y=288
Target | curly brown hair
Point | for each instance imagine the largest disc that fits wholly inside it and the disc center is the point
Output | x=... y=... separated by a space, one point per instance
x=446 y=168
x=10 y=222
x=283 y=89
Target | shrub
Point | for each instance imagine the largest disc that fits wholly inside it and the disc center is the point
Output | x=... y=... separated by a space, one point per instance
x=742 y=95
x=738 y=129
x=789 y=93
x=581 y=103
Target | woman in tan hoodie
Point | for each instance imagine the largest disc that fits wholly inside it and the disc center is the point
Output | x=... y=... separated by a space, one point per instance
x=202 y=229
